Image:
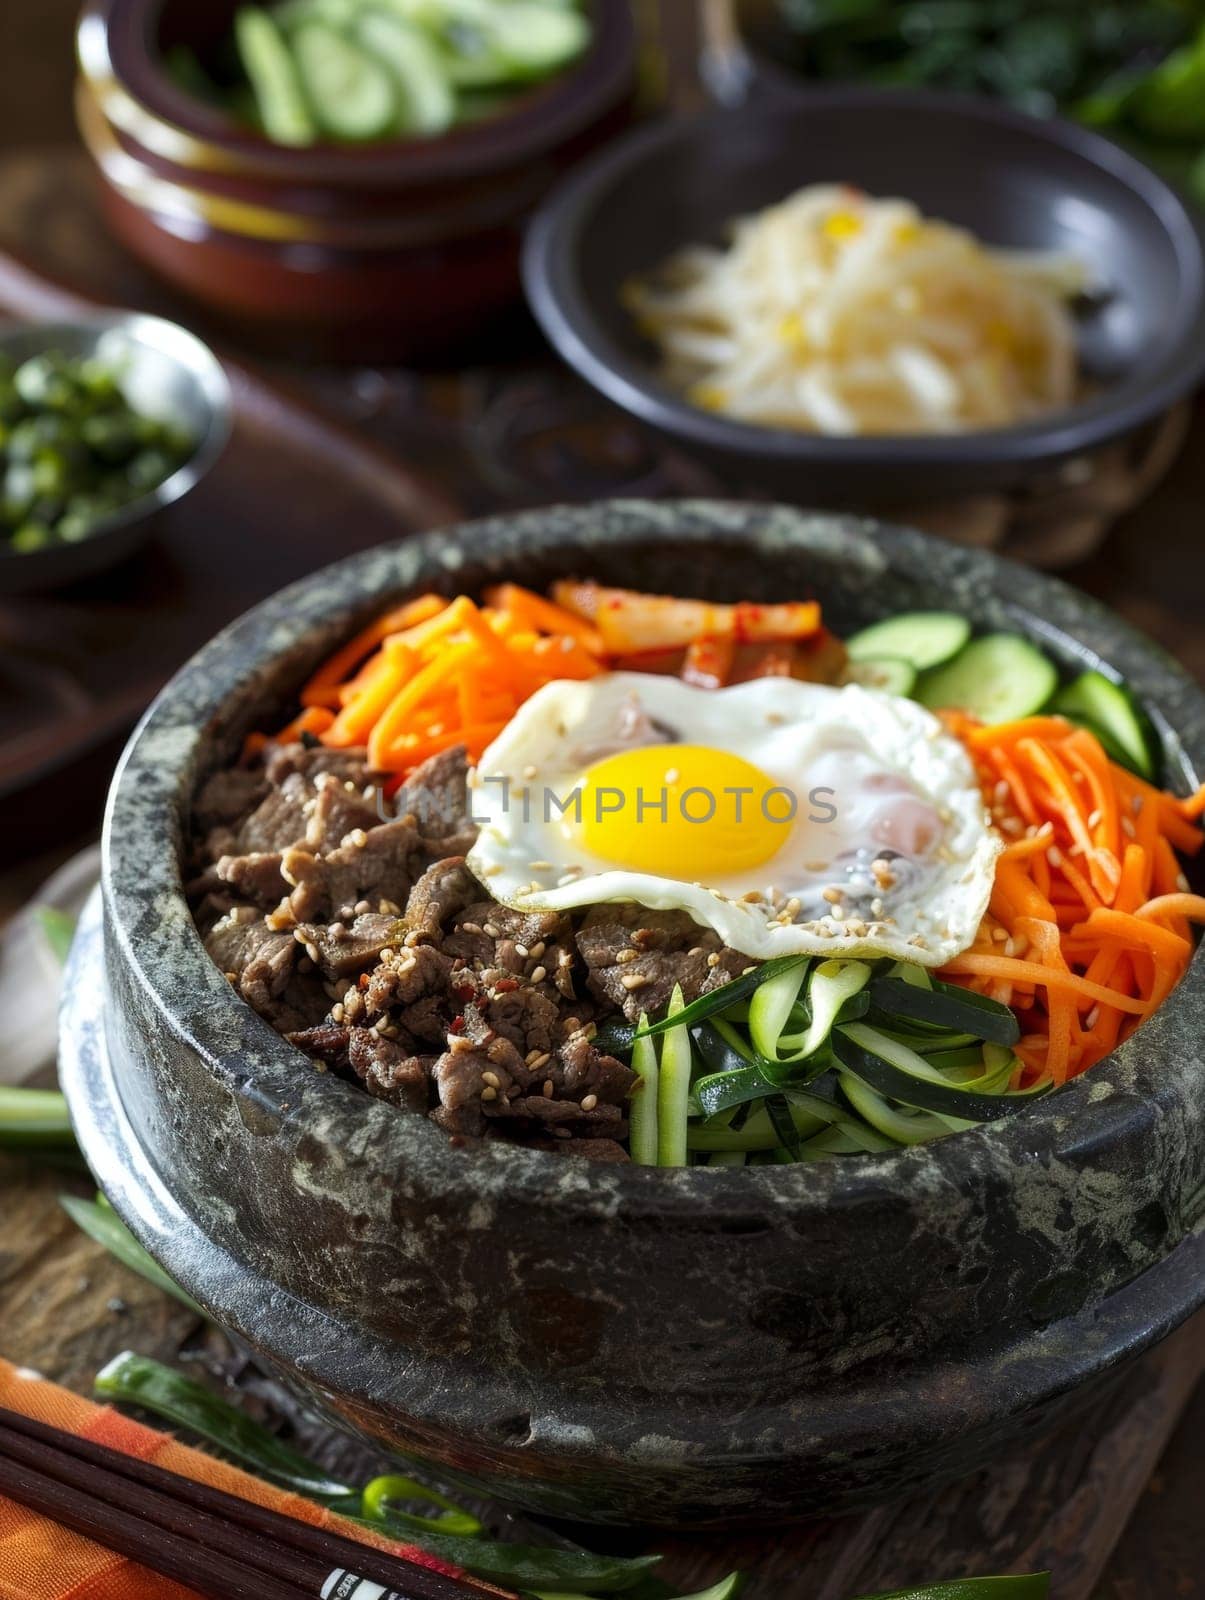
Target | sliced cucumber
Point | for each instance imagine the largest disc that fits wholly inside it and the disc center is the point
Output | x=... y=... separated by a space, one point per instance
x=535 y=39
x=922 y=638
x=997 y=678
x=351 y=94
x=428 y=102
x=1110 y=708
x=889 y=674
x=273 y=76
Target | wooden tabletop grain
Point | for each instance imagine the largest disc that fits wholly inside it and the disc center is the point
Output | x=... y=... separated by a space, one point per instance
x=64 y=1306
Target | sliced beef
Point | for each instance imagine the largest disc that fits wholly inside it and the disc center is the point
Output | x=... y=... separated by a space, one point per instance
x=488 y=935
x=339 y=809
x=635 y=957
x=255 y=877
x=226 y=796
x=386 y=1067
x=483 y=1077
x=390 y=1071
x=436 y=795
x=263 y=966
x=377 y=867
x=375 y=950
x=443 y=891
x=340 y=949
x=307 y=761
x=276 y=823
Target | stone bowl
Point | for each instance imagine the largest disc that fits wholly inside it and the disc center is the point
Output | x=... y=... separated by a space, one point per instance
x=611 y=1343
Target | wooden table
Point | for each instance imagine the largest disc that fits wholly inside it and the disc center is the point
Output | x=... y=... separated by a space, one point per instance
x=1114 y=1501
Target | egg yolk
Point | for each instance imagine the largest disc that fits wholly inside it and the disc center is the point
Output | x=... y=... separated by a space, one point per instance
x=681 y=811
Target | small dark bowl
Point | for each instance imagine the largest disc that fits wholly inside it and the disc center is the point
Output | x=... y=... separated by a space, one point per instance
x=354 y=252
x=167 y=372
x=1016 y=181
x=617 y=1343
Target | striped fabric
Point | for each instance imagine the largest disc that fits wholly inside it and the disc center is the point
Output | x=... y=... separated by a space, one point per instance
x=41 y=1561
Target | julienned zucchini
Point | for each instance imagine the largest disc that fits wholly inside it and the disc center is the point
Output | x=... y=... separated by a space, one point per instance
x=947 y=1006
x=875 y=1059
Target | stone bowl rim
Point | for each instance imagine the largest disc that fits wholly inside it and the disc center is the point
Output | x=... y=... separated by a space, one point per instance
x=147 y=914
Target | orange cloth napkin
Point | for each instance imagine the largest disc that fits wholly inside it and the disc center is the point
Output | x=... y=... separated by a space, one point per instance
x=41 y=1561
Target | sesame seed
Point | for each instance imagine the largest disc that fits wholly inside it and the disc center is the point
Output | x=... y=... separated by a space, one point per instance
x=832 y=894
x=1091 y=1019
x=471 y=927
x=539 y=974
x=492 y=1079
x=530 y=771
x=634 y=980
x=999 y=935
x=1181 y=883
x=1128 y=828
x=538 y=949
x=361 y=907
x=489 y=1092
x=491 y=930
x=589 y=1102
x=540 y=866
x=338 y=1012
x=1054 y=855
x=358 y=837
x=628 y=954
x=713 y=960
x=492 y=870
x=570 y=1025
x=542 y=1058
x=1095 y=818
x=522 y=952
x=547 y=1089
x=389 y=908
x=311 y=950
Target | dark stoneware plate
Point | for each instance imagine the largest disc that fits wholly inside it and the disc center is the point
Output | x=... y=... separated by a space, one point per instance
x=622 y=1344
x=1017 y=181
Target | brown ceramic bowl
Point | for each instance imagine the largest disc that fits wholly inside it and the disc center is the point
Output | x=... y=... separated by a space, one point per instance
x=394 y=249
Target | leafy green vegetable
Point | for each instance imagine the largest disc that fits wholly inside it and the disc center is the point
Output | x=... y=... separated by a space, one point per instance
x=1135 y=70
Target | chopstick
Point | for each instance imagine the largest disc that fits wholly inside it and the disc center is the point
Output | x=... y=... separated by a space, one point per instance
x=224 y=1547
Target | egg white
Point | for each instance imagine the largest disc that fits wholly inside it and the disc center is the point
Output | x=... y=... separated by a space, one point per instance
x=801 y=735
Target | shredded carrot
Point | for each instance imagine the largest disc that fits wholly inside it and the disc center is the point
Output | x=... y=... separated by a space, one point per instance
x=1089 y=924
x=436 y=672
x=314 y=720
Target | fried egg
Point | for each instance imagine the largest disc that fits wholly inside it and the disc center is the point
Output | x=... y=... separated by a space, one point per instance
x=789 y=817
